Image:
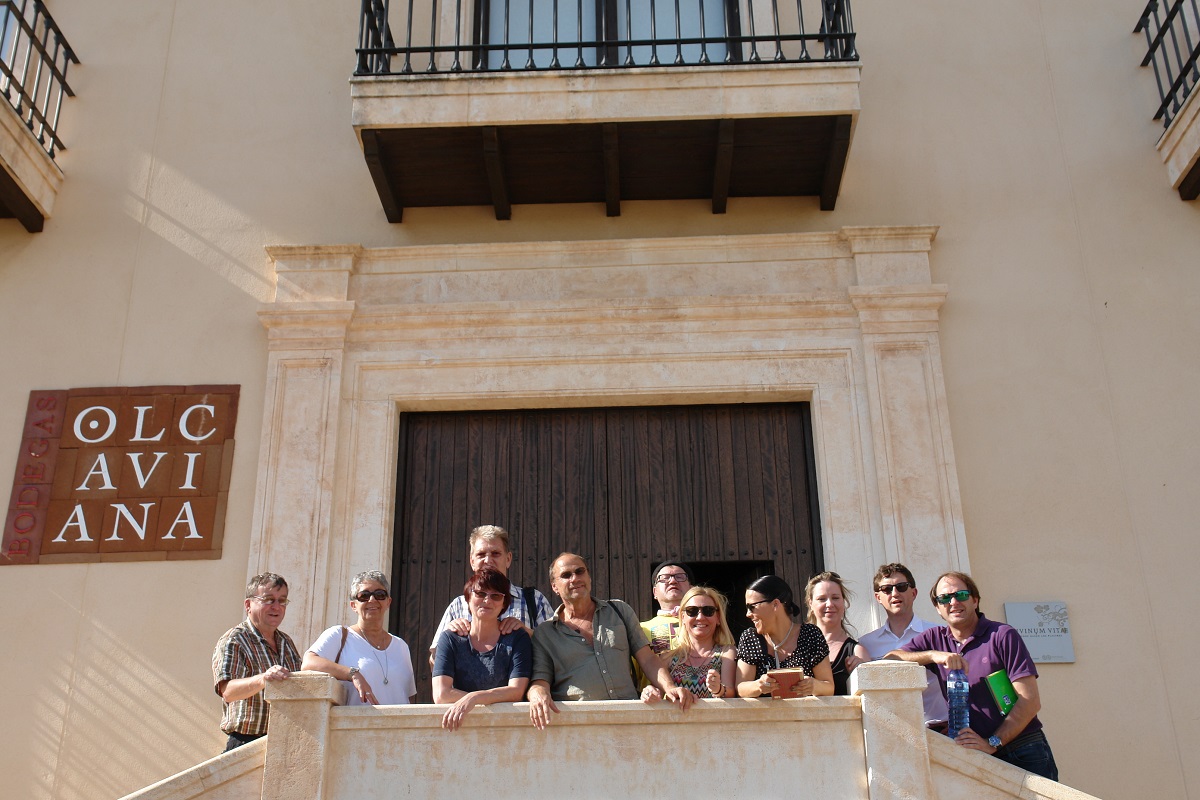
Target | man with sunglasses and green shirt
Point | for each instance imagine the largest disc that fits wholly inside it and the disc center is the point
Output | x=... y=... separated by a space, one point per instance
x=896 y=591
x=980 y=647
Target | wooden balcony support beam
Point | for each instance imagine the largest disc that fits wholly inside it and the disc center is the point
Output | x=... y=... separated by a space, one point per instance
x=722 y=166
x=612 y=170
x=835 y=164
x=373 y=153
x=495 y=173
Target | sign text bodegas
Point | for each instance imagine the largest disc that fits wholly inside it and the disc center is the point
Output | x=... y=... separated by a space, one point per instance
x=122 y=474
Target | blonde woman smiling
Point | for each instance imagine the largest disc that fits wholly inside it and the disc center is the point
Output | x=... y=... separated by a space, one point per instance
x=705 y=661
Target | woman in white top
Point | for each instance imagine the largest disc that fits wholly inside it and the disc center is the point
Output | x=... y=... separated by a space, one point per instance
x=375 y=665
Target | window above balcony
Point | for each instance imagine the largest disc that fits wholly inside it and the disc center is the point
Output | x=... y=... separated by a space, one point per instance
x=34 y=57
x=505 y=102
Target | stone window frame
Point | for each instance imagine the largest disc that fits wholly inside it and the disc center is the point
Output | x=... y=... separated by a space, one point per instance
x=847 y=320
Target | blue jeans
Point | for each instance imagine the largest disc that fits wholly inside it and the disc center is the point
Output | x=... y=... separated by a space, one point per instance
x=236 y=740
x=1031 y=752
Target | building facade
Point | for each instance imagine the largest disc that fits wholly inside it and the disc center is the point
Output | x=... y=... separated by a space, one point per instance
x=943 y=230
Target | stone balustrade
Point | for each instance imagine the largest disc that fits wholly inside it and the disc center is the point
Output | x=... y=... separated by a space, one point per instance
x=872 y=745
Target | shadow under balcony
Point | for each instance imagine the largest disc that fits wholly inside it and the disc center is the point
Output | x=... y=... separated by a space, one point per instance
x=597 y=101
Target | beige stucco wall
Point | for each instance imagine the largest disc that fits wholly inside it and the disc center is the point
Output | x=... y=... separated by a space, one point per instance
x=204 y=132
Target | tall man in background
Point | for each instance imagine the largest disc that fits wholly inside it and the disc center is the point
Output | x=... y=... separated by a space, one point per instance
x=489 y=547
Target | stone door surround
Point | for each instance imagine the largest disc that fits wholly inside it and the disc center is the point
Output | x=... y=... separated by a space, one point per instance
x=847 y=320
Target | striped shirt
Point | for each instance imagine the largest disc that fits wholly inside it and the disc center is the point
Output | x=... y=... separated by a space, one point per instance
x=243 y=653
x=517 y=608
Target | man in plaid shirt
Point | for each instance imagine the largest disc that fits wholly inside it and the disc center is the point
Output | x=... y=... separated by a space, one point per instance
x=251 y=654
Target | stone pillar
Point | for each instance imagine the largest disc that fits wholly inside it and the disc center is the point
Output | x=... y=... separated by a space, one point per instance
x=894 y=730
x=306 y=333
x=914 y=456
x=298 y=735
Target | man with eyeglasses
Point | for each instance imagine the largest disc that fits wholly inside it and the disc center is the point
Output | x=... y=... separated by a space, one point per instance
x=251 y=654
x=670 y=582
x=896 y=591
x=488 y=546
x=583 y=651
x=980 y=647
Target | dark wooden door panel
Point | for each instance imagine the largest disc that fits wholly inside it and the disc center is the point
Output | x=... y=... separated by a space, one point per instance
x=727 y=488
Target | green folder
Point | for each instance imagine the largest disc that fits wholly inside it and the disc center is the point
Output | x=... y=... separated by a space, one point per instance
x=1002 y=690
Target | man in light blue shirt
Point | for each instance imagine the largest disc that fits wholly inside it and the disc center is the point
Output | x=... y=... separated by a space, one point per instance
x=896 y=589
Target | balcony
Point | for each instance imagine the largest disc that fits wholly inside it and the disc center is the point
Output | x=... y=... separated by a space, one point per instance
x=870 y=746
x=504 y=102
x=34 y=56
x=1172 y=30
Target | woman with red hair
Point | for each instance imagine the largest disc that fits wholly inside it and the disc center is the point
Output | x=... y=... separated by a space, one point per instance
x=484 y=666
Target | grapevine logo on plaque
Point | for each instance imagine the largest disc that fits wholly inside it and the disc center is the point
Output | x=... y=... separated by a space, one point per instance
x=122 y=474
x=1045 y=628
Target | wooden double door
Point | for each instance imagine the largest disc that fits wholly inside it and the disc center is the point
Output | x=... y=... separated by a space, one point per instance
x=729 y=489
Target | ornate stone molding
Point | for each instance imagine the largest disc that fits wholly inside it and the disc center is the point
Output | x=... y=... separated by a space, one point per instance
x=847 y=320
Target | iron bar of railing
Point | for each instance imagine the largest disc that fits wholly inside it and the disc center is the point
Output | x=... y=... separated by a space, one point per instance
x=34 y=56
x=1174 y=33
x=596 y=32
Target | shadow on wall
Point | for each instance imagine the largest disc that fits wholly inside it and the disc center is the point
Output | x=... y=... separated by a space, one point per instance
x=128 y=722
x=212 y=228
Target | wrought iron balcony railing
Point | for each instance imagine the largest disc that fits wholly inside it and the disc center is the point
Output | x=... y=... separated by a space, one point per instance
x=435 y=36
x=34 y=56
x=1172 y=29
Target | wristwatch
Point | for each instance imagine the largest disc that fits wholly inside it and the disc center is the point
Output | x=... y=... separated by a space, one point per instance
x=355 y=670
x=995 y=742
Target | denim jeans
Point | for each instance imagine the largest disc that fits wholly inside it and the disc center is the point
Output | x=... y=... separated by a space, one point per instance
x=236 y=740
x=1032 y=753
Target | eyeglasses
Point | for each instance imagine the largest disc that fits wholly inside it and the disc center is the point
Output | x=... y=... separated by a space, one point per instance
x=752 y=606
x=378 y=594
x=675 y=577
x=962 y=595
x=495 y=597
x=278 y=601
x=693 y=611
x=571 y=573
x=888 y=588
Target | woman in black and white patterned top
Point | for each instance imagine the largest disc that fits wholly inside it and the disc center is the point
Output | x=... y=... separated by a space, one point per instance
x=780 y=640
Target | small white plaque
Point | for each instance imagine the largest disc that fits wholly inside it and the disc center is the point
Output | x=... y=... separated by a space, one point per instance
x=1045 y=629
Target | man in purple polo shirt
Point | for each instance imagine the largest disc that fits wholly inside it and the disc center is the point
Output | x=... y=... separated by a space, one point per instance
x=975 y=644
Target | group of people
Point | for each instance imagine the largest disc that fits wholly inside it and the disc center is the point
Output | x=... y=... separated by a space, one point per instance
x=501 y=643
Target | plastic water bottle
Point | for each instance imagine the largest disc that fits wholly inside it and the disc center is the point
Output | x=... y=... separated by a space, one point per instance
x=956 y=697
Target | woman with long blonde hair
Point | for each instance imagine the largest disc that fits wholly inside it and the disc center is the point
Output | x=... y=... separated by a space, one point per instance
x=704 y=661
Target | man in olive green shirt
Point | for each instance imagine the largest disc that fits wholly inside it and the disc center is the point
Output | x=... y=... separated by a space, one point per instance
x=583 y=651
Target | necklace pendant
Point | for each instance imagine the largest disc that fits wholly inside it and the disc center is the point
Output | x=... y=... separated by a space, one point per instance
x=385 y=680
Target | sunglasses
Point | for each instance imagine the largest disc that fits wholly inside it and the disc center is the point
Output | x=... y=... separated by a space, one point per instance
x=752 y=606
x=693 y=611
x=888 y=588
x=495 y=597
x=676 y=577
x=278 y=601
x=571 y=573
x=378 y=594
x=962 y=595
